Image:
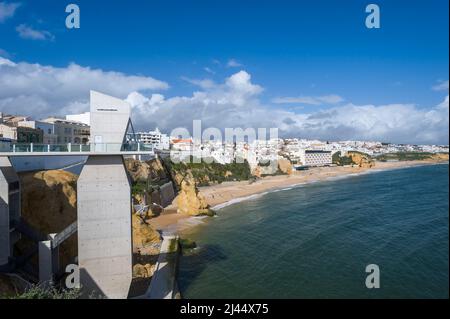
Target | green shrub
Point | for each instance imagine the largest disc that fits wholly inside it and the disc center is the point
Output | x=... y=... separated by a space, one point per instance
x=39 y=292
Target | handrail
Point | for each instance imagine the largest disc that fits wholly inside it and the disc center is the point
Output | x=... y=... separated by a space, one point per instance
x=80 y=148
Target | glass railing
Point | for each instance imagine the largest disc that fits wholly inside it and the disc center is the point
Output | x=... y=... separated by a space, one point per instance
x=80 y=148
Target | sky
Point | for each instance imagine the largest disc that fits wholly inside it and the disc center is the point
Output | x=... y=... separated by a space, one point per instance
x=312 y=69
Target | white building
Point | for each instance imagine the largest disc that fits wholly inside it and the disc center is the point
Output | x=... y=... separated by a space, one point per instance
x=159 y=140
x=69 y=131
x=315 y=157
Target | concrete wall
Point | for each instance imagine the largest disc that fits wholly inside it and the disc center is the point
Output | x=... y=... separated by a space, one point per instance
x=104 y=227
x=167 y=194
x=9 y=207
x=109 y=120
x=38 y=163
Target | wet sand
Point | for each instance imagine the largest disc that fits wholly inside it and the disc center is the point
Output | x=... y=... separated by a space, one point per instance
x=226 y=193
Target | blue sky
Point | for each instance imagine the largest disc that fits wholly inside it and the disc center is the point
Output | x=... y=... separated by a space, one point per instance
x=293 y=51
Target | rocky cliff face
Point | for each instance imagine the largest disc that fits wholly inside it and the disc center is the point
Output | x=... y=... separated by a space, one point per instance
x=362 y=160
x=152 y=171
x=441 y=157
x=189 y=201
x=49 y=204
x=280 y=166
x=146 y=244
x=285 y=166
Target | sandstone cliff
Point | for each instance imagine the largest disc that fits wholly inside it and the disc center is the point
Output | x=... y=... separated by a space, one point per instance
x=440 y=157
x=141 y=171
x=280 y=166
x=362 y=160
x=49 y=204
x=189 y=201
x=285 y=166
x=146 y=244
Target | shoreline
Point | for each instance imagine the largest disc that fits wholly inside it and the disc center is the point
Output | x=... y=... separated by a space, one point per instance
x=223 y=195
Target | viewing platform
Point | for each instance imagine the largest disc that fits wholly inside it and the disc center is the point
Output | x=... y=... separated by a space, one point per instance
x=107 y=149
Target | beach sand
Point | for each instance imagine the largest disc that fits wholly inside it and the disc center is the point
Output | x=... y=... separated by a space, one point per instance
x=226 y=193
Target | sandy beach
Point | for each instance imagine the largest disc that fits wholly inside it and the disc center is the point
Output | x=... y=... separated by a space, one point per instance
x=224 y=194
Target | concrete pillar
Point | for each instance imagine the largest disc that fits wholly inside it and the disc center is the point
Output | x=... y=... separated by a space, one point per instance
x=9 y=208
x=48 y=261
x=104 y=227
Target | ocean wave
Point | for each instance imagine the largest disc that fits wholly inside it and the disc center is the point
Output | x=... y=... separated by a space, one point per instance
x=238 y=200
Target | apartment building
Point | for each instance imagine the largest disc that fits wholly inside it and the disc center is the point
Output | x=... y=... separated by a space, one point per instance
x=159 y=140
x=48 y=129
x=19 y=134
x=315 y=157
x=69 y=131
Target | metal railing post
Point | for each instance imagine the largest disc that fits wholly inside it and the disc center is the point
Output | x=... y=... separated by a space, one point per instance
x=69 y=147
x=31 y=147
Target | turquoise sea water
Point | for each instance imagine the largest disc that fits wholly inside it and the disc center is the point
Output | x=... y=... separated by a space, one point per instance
x=314 y=241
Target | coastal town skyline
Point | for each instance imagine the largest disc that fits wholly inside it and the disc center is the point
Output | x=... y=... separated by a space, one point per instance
x=365 y=90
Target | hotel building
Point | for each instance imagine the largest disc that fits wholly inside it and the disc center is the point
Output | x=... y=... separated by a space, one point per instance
x=315 y=158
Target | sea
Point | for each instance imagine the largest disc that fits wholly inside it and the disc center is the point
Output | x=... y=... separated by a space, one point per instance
x=323 y=240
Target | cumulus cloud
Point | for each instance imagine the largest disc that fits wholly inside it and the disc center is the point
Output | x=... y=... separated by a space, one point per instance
x=441 y=86
x=6 y=62
x=236 y=103
x=7 y=10
x=38 y=90
x=312 y=100
x=27 y=32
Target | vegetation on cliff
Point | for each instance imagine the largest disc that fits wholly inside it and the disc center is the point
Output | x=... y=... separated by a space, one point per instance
x=353 y=158
x=361 y=159
x=340 y=160
x=411 y=156
x=209 y=173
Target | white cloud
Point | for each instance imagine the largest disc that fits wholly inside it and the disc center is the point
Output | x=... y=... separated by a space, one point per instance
x=204 y=83
x=312 y=100
x=235 y=103
x=27 y=32
x=6 y=62
x=40 y=91
x=7 y=10
x=232 y=63
x=209 y=70
x=441 y=86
